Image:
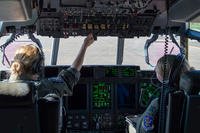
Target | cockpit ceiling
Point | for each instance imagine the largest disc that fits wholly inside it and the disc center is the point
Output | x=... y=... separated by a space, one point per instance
x=185 y=11
x=196 y=20
x=107 y=7
x=15 y=10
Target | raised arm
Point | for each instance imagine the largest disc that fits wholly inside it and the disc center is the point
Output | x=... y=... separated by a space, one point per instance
x=78 y=62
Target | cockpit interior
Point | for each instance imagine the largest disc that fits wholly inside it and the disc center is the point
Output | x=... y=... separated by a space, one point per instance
x=105 y=94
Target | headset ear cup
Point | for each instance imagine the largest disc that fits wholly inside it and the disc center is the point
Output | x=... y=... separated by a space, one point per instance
x=176 y=69
x=37 y=64
x=35 y=67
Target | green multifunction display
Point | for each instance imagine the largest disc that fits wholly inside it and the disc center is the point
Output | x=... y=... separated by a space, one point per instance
x=148 y=92
x=101 y=95
x=128 y=72
x=121 y=72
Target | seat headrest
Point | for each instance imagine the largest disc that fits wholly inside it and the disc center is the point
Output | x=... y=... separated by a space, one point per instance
x=17 y=94
x=14 y=88
x=190 y=82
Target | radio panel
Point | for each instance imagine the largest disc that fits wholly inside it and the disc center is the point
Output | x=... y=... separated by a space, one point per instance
x=102 y=25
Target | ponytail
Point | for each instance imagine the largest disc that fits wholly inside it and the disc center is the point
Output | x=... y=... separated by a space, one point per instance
x=17 y=68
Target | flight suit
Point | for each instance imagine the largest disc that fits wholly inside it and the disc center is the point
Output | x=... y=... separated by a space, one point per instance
x=148 y=121
x=51 y=90
x=61 y=85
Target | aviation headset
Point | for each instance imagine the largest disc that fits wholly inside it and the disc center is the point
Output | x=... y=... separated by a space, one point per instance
x=37 y=63
x=176 y=69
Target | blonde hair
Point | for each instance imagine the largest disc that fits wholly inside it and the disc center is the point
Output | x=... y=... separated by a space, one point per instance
x=24 y=58
x=170 y=62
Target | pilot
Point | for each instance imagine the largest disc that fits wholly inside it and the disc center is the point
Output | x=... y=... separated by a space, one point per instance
x=28 y=63
x=175 y=66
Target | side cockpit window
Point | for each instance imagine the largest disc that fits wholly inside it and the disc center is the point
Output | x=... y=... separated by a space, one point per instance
x=194 y=48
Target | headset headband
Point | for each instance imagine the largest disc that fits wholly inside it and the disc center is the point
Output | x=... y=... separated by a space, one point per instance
x=176 y=69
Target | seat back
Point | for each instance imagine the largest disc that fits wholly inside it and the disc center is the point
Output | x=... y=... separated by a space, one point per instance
x=50 y=108
x=18 y=111
x=189 y=82
x=192 y=114
x=183 y=103
x=174 y=112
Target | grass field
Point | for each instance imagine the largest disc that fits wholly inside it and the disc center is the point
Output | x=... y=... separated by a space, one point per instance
x=195 y=26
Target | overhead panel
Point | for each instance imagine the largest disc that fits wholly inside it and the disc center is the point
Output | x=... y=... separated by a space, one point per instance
x=102 y=17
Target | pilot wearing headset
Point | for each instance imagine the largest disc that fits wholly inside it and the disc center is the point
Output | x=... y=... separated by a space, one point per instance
x=28 y=63
x=175 y=67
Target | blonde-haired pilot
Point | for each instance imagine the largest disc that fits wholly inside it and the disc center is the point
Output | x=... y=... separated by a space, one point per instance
x=27 y=65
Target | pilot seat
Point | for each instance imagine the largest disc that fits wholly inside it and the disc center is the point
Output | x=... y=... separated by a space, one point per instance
x=189 y=82
x=24 y=112
x=18 y=110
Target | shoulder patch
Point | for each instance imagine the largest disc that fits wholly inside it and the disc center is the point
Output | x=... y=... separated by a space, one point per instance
x=147 y=123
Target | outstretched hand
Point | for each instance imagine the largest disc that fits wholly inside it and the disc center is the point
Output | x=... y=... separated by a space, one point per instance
x=78 y=62
x=88 y=40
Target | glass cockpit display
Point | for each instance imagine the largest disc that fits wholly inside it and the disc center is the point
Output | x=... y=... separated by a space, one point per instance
x=78 y=101
x=125 y=96
x=148 y=93
x=101 y=95
x=121 y=72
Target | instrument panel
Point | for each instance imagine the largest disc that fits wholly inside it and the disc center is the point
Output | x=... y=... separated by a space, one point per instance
x=104 y=95
x=102 y=98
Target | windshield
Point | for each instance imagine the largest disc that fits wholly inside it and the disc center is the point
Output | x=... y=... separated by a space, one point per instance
x=103 y=52
x=11 y=48
x=194 y=48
